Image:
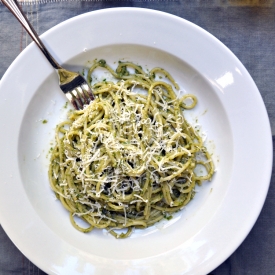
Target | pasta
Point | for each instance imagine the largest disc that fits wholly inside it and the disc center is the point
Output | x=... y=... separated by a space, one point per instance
x=128 y=159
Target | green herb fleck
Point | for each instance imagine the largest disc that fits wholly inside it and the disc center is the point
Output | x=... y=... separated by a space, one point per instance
x=137 y=71
x=122 y=71
x=169 y=218
x=102 y=62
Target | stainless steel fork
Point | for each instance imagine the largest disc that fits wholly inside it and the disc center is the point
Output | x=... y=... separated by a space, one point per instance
x=73 y=85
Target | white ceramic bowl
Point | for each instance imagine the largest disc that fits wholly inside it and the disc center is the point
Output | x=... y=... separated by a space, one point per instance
x=230 y=109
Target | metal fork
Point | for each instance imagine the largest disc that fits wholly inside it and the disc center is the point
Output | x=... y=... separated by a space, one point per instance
x=73 y=85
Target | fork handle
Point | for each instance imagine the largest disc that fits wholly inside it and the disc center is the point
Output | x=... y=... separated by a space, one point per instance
x=16 y=10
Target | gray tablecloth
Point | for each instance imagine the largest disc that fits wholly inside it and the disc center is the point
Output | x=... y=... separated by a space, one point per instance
x=247 y=27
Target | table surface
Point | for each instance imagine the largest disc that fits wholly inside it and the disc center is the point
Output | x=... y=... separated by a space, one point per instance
x=246 y=27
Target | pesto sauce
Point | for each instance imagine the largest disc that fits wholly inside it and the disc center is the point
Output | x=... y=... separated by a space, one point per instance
x=66 y=76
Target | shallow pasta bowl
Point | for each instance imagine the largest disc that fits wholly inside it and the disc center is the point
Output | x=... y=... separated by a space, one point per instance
x=195 y=241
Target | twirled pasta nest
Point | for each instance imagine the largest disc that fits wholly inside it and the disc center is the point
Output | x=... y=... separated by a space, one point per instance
x=127 y=160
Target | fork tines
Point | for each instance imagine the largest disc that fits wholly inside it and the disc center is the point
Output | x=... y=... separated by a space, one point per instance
x=78 y=92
